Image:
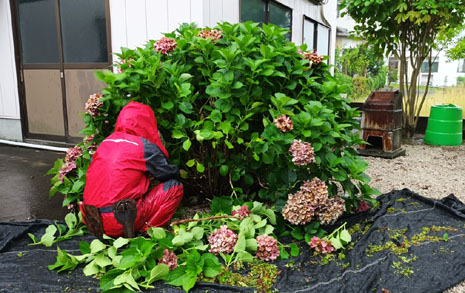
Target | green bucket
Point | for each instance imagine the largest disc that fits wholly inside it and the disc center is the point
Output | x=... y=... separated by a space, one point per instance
x=444 y=125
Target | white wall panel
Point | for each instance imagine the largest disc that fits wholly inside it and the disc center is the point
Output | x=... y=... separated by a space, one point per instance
x=197 y=12
x=157 y=18
x=136 y=24
x=9 y=100
x=179 y=11
x=118 y=25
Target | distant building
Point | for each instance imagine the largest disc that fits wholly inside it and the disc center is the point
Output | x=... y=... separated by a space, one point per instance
x=51 y=48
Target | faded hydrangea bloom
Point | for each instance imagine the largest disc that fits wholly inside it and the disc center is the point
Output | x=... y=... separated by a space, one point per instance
x=332 y=210
x=73 y=153
x=242 y=212
x=362 y=206
x=65 y=169
x=284 y=123
x=312 y=57
x=302 y=153
x=165 y=45
x=93 y=104
x=267 y=248
x=211 y=34
x=320 y=245
x=298 y=210
x=316 y=191
x=169 y=258
x=93 y=146
x=222 y=240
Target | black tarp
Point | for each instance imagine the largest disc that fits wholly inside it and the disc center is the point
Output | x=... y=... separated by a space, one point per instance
x=433 y=265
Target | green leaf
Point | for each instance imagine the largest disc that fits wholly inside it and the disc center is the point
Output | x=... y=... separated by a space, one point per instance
x=297 y=233
x=84 y=247
x=159 y=272
x=190 y=163
x=91 y=269
x=120 y=242
x=336 y=243
x=294 y=249
x=345 y=236
x=221 y=204
x=167 y=105
x=156 y=233
x=176 y=134
x=216 y=116
x=212 y=267
x=126 y=278
x=224 y=170
x=96 y=246
x=240 y=243
x=186 y=145
x=200 y=167
x=182 y=238
x=251 y=244
x=48 y=238
x=71 y=220
x=186 y=107
x=102 y=261
x=244 y=256
x=198 y=232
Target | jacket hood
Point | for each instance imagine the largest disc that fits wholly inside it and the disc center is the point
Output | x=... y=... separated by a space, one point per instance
x=139 y=120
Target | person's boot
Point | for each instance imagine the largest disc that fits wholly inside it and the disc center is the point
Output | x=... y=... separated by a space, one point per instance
x=93 y=220
x=125 y=212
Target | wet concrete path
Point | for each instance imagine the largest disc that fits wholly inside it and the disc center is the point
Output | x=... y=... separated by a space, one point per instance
x=24 y=187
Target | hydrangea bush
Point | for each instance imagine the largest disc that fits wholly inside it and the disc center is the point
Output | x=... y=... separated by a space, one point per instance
x=242 y=111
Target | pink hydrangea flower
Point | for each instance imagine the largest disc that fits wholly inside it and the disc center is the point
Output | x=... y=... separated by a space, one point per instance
x=222 y=240
x=65 y=169
x=213 y=34
x=363 y=206
x=242 y=212
x=320 y=245
x=92 y=147
x=284 y=123
x=267 y=248
x=93 y=105
x=302 y=153
x=165 y=45
x=169 y=258
x=73 y=153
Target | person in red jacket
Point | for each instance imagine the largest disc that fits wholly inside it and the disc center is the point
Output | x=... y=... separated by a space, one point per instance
x=117 y=198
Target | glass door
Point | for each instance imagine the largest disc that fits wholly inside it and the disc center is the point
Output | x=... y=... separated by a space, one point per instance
x=62 y=43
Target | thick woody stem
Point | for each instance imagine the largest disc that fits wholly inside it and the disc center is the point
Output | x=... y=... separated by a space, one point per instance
x=202 y=219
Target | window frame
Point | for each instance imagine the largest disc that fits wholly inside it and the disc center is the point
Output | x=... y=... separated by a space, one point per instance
x=266 y=4
x=427 y=67
x=315 y=33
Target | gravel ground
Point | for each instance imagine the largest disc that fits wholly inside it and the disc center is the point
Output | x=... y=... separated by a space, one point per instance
x=431 y=171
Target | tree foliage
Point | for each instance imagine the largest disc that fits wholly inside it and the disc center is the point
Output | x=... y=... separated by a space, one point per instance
x=406 y=29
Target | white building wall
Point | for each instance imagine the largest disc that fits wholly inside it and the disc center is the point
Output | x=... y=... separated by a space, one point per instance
x=9 y=101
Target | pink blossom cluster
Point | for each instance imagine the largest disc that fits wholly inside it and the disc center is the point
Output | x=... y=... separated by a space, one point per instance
x=93 y=105
x=222 y=240
x=267 y=248
x=165 y=45
x=65 y=169
x=302 y=153
x=92 y=147
x=73 y=153
x=298 y=209
x=121 y=62
x=362 y=206
x=242 y=212
x=320 y=245
x=169 y=258
x=284 y=123
x=312 y=57
x=211 y=34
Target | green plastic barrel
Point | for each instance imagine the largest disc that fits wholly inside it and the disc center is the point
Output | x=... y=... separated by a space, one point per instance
x=444 y=125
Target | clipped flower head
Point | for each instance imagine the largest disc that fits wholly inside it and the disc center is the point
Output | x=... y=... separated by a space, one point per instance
x=222 y=240
x=267 y=248
x=362 y=206
x=320 y=245
x=93 y=105
x=169 y=258
x=312 y=57
x=65 y=169
x=298 y=210
x=165 y=45
x=332 y=210
x=73 y=153
x=90 y=146
x=302 y=153
x=284 y=123
x=211 y=34
x=242 y=212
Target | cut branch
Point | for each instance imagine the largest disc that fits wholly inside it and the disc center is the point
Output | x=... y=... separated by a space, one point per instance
x=202 y=219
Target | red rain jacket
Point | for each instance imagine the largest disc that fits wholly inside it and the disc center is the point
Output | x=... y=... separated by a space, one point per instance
x=119 y=166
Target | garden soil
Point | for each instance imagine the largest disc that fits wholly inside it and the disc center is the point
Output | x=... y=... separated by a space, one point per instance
x=407 y=243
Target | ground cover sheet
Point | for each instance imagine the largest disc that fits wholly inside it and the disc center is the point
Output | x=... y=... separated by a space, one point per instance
x=407 y=243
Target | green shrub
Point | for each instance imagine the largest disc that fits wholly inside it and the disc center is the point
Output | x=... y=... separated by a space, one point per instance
x=215 y=102
x=346 y=82
x=378 y=81
x=361 y=87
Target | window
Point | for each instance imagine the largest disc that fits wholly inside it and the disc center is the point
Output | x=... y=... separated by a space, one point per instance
x=425 y=66
x=316 y=36
x=461 y=66
x=267 y=11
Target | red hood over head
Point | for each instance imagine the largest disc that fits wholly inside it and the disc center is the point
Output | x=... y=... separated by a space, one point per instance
x=138 y=119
